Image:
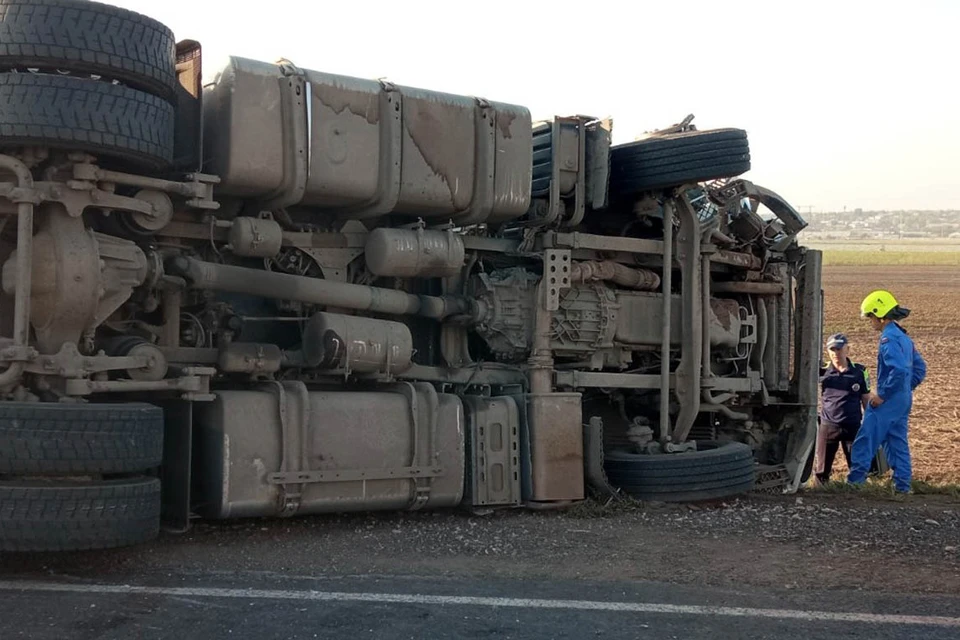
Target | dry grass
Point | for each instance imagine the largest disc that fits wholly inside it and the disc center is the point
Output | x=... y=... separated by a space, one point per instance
x=883 y=488
x=932 y=294
x=843 y=257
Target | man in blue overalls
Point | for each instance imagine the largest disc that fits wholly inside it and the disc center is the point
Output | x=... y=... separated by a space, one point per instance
x=900 y=369
x=844 y=391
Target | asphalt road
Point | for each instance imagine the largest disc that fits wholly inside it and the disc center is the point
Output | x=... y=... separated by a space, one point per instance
x=759 y=568
x=264 y=605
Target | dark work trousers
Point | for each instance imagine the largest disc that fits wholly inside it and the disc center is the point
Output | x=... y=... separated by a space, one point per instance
x=831 y=437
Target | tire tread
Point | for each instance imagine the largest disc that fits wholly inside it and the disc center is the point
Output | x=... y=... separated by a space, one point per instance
x=78 y=517
x=89 y=37
x=96 y=117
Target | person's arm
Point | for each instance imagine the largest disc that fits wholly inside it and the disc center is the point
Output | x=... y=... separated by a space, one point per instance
x=895 y=360
x=919 y=369
x=865 y=397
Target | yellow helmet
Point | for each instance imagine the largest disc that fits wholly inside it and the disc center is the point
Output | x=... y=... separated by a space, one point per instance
x=878 y=303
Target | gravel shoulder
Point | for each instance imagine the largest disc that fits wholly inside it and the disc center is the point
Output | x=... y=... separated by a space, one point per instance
x=811 y=542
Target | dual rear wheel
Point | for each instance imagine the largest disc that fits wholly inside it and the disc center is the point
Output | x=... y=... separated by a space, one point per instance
x=83 y=76
x=79 y=476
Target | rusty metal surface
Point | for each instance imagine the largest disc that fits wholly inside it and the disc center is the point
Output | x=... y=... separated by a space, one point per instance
x=737 y=259
x=592 y=271
x=556 y=446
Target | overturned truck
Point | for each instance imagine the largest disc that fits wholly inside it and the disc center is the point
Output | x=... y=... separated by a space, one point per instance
x=289 y=292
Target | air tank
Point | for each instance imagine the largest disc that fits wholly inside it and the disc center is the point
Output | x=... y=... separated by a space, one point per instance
x=356 y=343
x=414 y=253
x=255 y=237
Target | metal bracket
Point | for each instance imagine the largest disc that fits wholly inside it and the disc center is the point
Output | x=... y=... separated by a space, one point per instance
x=424 y=448
x=682 y=447
x=333 y=262
x=748 y=327
x=352 y=475
x=691 y=276
x=69 y=363
x=293 y=446
x=556 y=271
x=389 y=175
x=198 y=188
x=568 y=179
x=194 y=386
x=574 y=161
x=485 y=159
x=202 y=185
x=296 y=134
x=683 y=126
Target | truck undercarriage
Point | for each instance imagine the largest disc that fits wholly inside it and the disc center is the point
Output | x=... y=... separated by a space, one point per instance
x=291 y=292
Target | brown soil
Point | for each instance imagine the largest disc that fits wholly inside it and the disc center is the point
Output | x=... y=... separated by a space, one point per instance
x=933 y=296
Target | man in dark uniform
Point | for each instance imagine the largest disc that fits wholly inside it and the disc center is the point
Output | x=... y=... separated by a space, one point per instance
x=844 y=393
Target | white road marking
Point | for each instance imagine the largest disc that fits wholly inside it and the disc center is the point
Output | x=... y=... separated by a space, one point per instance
x=522 y=603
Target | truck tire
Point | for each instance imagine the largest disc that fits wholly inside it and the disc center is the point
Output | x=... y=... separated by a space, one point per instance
x=91 y=38
x=713 y=472
x=37 y=516
x=677 y=159
x=77 y=439
x=99 y=118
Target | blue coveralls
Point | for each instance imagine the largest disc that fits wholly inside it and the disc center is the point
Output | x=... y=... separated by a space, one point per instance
x=900 y=368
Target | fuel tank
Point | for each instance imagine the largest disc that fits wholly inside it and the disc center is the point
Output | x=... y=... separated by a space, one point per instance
x=399 y=446
x=364 y=148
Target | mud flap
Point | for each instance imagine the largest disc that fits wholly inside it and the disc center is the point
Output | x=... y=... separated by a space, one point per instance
x=593 y=458
x=176 y=472
x=808 y=346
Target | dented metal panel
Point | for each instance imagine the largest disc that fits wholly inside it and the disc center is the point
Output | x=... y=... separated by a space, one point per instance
x=369 y=148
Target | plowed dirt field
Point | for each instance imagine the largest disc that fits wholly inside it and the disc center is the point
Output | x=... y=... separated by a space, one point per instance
x=932 y=293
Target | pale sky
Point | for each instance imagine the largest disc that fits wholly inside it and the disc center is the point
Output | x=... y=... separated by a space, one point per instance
x=846 y=103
